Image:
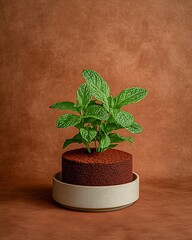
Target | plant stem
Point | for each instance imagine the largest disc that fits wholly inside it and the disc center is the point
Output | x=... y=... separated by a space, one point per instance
x=95 y=142
x=88 y=148
x=99 y=149
x=86 y=143
x=82 y=114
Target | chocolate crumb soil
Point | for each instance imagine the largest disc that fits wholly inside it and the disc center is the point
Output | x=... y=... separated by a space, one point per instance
x=110 y=167
x=109 y=156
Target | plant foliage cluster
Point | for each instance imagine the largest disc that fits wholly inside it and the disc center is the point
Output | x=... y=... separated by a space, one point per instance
x=98 y=113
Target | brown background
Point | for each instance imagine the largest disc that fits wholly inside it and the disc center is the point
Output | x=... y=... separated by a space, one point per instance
x=45 y=45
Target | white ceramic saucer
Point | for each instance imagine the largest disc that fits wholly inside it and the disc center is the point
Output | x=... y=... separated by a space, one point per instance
x=95 y=198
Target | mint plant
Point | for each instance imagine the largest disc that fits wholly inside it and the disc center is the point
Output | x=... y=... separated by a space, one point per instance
x=99 y=114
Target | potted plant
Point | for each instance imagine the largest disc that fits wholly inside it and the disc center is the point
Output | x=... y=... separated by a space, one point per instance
x=97 y=177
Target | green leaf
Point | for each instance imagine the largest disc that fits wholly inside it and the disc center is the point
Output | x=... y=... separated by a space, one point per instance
x=102 y=126
x=105 y=141
x=89 y=120
x=83 y=95
x=123 y=118
x=88 y=134
x=100 y=133
x=111 y=101
x=134 y=128
x=117 y=138
x=99 y=88
x=68 y=120
x=97 y=112
x=111 y=118
x=110 y=146
x=76 y=139
x=94 y=102
x=105 y=104
x=112 y=126
x=130 y=95
x=96 y=122
x=65 y=106
x=79 y=125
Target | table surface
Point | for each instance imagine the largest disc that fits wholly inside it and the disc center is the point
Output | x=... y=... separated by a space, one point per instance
x=163 y=211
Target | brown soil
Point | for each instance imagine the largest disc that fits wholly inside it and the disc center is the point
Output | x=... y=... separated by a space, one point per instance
x=110 y=167
x=108 y=156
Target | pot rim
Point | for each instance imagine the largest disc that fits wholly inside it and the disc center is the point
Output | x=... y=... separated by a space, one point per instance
x=57 y=175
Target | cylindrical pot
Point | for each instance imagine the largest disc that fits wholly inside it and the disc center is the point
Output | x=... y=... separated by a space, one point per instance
x=95 y=198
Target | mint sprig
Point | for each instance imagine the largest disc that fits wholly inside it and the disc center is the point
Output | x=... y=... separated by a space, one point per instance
x=98 y=114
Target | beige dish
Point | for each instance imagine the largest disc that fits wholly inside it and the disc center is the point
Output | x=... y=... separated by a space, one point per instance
x=95 y=198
